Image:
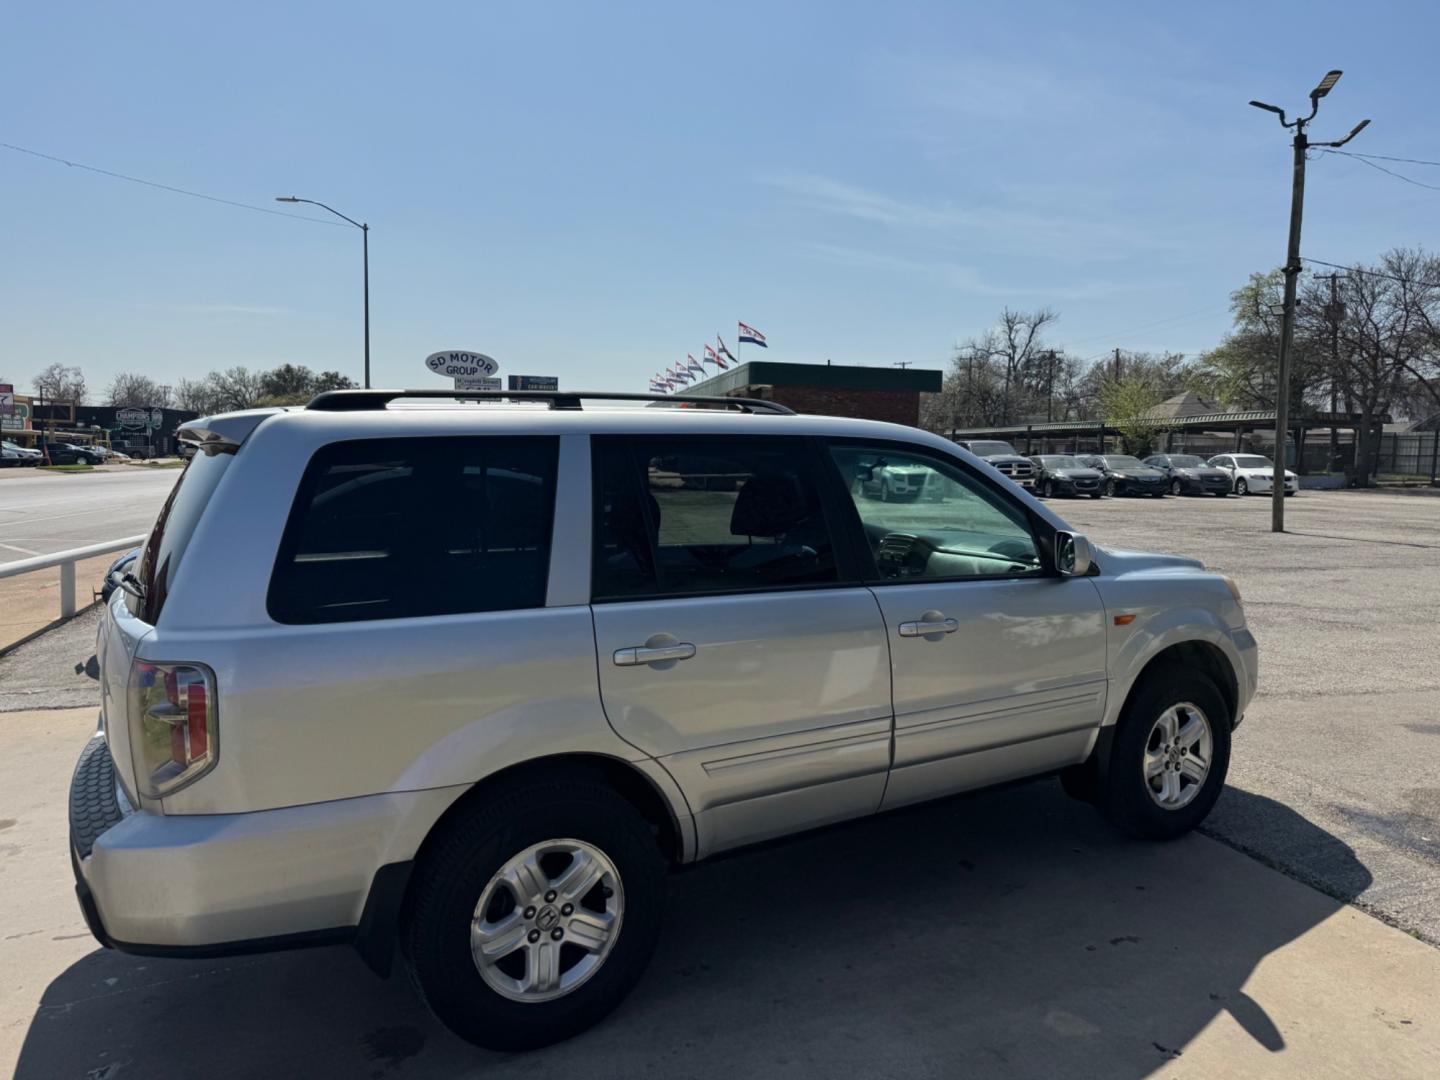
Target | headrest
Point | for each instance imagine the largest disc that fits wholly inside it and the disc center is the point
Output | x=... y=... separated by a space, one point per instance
x=769 y=504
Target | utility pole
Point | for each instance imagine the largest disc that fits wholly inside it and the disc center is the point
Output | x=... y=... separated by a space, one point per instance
x=1292 y=275
x=1050 y=389
x=1334 y=312
x=1118 y=366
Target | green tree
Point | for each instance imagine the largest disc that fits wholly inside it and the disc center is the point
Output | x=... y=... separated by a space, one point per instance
x=1128 y=404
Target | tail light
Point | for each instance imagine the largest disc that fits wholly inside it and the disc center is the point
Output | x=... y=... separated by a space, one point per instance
x=172 y=722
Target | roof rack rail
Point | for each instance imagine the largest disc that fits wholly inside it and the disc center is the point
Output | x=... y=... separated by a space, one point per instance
x=366 y=400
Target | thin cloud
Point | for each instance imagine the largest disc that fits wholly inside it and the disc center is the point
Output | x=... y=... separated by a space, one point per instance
x=973 y=280
x=999 y=228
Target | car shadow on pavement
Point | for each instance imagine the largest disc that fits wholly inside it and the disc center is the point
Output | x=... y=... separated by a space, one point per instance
x=1010 y=933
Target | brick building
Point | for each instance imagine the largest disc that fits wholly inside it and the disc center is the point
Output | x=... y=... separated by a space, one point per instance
x=868 y=393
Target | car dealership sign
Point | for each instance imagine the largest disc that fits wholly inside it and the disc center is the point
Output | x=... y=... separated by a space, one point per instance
x=459 y=364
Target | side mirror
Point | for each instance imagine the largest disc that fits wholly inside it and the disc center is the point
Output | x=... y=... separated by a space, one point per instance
x=865 y=472
x=1072 y=554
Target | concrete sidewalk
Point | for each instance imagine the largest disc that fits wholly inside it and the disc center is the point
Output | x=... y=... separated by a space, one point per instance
x=1008 y=934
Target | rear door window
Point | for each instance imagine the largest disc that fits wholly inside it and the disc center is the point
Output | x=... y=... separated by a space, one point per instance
x=394 y=528
x=687 y=516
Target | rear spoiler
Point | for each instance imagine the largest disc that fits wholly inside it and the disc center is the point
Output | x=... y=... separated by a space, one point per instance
x=223 y=434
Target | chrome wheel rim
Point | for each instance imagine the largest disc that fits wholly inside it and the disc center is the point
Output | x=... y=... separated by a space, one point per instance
x=547 y=920
x=1178 y=754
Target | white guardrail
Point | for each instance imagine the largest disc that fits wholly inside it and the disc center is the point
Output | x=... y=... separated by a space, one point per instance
x=66 y=560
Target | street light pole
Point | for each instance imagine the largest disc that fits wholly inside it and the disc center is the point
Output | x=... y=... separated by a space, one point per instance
x=1292 y=276
x=364 y=228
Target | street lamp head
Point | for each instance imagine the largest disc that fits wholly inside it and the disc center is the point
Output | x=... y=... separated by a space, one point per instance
x=1271 y=108
x=286 y=198
x=1353 y=132
x=1326 y=85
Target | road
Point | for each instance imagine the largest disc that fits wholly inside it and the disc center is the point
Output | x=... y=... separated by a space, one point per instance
x=42 y=513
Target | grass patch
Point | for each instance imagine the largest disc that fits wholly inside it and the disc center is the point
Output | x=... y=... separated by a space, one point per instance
x=159 y=464
x=65 y=468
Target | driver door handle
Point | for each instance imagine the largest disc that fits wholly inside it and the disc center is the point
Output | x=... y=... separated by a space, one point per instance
x=932 y=623
x=642 y=654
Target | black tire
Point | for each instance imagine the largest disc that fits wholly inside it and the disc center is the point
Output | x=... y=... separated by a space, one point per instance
x=1123 y=796
x=1097 y=494
x=454 y=871
x=1241 y=487
x=1048 y=491
x=1176 y=488
x=1157 y=494
x=1110 y=488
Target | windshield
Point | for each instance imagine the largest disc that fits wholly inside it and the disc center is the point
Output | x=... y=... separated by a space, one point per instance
x=991 y=449
x=1185 y=461
x=1122 y=461
x=165 y=547
x=1053 y=462
x=1253 y=461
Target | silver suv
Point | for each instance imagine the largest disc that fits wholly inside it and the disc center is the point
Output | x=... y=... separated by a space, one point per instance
x=463 y=680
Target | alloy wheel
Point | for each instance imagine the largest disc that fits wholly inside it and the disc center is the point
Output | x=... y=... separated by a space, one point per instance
x=1175 y=488
x=547 y=920
x=1178 y=753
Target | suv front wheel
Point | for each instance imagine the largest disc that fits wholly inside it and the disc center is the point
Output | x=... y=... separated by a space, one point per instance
x=1169 y=756
x=535 y=913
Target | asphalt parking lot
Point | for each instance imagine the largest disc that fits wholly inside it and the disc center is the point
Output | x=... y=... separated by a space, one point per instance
x=1009 y=933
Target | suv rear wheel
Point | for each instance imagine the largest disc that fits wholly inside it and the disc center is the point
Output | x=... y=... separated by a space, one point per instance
x=535 y=913
x=1169 y=756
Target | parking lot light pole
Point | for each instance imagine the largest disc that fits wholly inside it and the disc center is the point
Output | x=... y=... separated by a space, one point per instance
x=365 y=247
x=1292 y=275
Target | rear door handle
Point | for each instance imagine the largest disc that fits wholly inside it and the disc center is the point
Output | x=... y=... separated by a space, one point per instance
x=653 y=654
x=932 y=622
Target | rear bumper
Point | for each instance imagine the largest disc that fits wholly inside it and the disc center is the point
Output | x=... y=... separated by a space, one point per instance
x=220 y=884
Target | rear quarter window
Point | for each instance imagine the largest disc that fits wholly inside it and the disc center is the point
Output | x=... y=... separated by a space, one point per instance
x=170 y=538
x=394 y=528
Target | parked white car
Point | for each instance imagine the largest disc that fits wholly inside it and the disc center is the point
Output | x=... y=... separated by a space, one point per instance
x=1252 y=473
x=468 y=680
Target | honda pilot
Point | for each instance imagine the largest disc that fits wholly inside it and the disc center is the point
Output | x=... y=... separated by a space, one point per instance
x=459 y=682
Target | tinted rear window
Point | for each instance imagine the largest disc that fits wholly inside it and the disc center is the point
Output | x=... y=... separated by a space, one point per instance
x=393 y=528
x=160 y=557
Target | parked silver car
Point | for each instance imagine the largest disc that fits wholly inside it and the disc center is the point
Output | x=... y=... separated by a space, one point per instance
x=468 y=680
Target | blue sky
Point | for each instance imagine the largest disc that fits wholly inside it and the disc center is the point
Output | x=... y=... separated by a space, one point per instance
x=593 y=190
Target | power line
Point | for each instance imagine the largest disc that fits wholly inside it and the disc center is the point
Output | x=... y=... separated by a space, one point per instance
x=1371 y=273
x=1147 y=326
x=1381 y=168
x=166 y=187
x=1384 y=157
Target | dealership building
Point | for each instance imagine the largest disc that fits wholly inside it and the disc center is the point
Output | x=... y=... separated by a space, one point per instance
x=868 y=393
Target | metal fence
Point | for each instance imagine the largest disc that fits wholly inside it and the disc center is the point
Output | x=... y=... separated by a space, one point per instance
x=1411 y=453
x=66 y=560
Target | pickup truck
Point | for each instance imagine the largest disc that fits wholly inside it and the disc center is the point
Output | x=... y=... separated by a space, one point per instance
x=1003 y=456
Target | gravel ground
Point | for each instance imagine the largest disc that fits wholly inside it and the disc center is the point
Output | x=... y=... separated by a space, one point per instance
x=1346 y=727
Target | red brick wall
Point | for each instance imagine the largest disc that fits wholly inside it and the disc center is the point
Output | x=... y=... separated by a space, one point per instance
x=893 y=406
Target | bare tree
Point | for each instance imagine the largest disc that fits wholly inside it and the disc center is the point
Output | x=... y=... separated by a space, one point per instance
x=1004 y=373
x=140 y=391
x=1387 y=338
x=198 y=395
x=238 y=387
x=60 y=383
